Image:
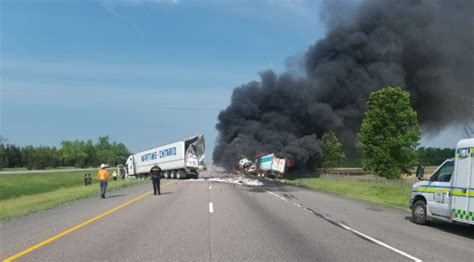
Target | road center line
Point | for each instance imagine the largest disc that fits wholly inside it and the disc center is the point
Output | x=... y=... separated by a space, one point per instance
x=211 y=208
x=360 y=234
x=80 y=225
x=276 y=195
x=371 y=239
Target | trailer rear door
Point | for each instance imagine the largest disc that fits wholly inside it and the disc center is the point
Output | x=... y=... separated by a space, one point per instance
x=462 y=192
x=279 y=164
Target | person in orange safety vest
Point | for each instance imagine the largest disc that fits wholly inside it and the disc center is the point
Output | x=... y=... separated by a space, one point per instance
x=103 y=176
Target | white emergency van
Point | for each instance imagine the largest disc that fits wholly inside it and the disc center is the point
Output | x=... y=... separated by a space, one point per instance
x=449 y=193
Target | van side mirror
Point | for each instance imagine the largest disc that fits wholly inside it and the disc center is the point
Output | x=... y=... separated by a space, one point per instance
x=420 y=172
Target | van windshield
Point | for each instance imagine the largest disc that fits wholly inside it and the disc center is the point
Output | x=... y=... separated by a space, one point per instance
x=444 y=173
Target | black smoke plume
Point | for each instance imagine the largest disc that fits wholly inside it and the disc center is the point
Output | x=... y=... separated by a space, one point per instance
x=424 y=46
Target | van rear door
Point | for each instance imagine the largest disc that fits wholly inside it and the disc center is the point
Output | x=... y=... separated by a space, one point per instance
x=462 y=193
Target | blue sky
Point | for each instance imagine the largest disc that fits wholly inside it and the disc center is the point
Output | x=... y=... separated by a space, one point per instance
x=144 y=72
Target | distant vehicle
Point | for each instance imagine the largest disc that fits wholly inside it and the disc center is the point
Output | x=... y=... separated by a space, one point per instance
x=449 y=193
x=177 y=160
x=271 y=165
x=202 y=167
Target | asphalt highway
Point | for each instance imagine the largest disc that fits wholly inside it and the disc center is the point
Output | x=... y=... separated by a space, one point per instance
x=215 y=221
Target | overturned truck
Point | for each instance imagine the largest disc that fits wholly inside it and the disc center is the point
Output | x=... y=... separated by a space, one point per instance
x=268 y=165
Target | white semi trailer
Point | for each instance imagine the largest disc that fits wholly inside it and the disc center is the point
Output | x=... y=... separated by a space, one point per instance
x=177 y=160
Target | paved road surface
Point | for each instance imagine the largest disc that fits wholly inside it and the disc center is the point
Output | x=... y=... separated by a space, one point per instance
x=214 y=221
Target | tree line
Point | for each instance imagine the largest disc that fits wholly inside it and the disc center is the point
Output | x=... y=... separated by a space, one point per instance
x=75 y=153
x=433 y=156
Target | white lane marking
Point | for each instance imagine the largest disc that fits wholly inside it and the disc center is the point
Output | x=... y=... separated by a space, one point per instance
x=380 y=243
x=371 y=239
x=211 y=208
x=276 y=195
x=210 y=187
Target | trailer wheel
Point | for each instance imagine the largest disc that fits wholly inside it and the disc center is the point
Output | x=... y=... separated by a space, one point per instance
x=180 y=174
x=173 y=173
x=418 y=212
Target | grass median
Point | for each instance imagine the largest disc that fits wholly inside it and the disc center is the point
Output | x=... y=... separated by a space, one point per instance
x=21 y=194
x=386 y=192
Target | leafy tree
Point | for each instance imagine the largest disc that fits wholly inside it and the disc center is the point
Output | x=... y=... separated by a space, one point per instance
x=73 y=153
x=27 y=156
x=90 y=151
x=44 y=157
x=121 y=153
x=332 y=151
x=389 y=133
x=13 y=156
x=104 y=150
x=3 y=154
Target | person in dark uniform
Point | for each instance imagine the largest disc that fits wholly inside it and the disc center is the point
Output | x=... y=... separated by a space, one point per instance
x=155 y=173
x=420 y=170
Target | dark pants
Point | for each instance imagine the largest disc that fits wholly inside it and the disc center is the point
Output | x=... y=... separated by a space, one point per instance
x=103 y=188
x=156 y=186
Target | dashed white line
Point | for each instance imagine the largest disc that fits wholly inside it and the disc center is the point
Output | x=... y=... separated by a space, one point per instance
x=379 y=242
x=276 y=195
x=210 y=187
x=371 y=239
x=211 y=208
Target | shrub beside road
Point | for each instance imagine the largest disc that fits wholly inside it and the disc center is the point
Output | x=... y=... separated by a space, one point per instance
x=21 y=194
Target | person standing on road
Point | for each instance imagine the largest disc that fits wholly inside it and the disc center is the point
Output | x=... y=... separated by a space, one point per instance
x=155 y=173
x=103 y=176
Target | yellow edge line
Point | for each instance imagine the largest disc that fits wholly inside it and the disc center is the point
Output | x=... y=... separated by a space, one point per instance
x=76 y=227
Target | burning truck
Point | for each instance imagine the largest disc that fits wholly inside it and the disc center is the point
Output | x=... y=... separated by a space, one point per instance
x=266 y=165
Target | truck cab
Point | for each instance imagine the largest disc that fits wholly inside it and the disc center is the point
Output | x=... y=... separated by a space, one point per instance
x=448 y=195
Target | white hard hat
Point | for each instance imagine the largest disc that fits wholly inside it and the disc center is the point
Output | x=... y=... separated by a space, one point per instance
x=103 y=165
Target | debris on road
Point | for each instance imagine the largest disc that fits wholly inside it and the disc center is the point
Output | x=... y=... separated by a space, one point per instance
x=231 y=179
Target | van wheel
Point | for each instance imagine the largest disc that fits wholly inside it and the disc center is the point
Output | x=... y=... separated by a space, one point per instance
x=418 y=212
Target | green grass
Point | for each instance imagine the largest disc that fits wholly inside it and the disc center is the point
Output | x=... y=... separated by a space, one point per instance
x=16 y=185
x=14 y=169
x=22 y=194
x=8 y=169
x=389 y=193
